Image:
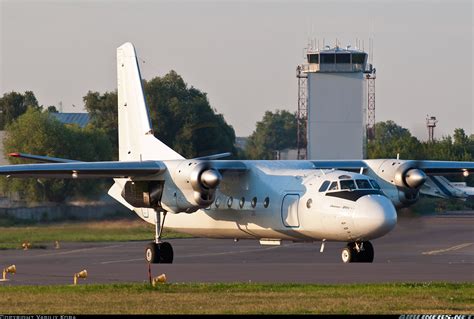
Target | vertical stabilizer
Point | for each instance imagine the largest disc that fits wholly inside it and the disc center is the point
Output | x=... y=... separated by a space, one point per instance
x=136 y=139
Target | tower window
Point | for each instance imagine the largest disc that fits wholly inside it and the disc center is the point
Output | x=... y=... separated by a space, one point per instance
x=327 y=58
x=313 y=58
x=343 y=58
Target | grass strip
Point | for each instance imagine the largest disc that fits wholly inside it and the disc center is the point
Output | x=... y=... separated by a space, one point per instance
x=240 y=298
x=42 y=235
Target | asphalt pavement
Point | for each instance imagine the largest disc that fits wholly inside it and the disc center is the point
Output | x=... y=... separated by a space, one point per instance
x=435 y=248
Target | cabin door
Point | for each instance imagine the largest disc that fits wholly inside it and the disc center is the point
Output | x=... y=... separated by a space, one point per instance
x=289 y=210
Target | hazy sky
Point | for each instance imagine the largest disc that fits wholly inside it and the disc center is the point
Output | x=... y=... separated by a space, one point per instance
x=244 y=53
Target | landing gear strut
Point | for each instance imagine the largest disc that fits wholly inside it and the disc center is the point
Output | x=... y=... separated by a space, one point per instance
x=362 y=252
x=159 y=252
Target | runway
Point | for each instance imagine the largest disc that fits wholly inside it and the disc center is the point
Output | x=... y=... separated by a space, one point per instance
x=437 y=248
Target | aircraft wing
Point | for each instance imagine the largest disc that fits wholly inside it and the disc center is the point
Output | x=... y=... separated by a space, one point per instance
x=85 y=169
x=348 y=165
x=42 y=158
x=429 y=167
x=112 y=169
x=444 y=167
x=231 y=165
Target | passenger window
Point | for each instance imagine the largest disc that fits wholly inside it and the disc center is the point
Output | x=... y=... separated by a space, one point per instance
x=348 y=184
x=333 y=187
x=363 y=184
x=324 y=186
x=375 y=184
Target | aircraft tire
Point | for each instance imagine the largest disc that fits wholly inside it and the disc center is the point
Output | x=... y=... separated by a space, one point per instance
x=161 y=253
x=347 y=255
x=152 y=253
x=367 y=255
x=166 y=253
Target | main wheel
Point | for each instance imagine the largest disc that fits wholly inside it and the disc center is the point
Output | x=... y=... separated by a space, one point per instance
x=367 y=255
x=347 y=255
x=161 y=253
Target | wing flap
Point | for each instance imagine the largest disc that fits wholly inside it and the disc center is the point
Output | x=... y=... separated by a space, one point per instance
x=85 y=169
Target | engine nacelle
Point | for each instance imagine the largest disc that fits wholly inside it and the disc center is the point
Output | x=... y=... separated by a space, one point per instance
x=196 y=183
x=409 y=177
x=146 y=194
x=404 y=175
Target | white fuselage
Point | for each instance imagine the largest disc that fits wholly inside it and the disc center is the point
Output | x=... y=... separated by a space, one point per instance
x=281 y=200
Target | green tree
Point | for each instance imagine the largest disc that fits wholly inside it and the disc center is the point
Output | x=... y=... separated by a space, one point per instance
x=457 y=148
x=392 y=139
x=460 y=137
x=181 y=117
x=275 y=132
x=52 y=109
x=102 y=109
x=37 y=132
x=14 y=104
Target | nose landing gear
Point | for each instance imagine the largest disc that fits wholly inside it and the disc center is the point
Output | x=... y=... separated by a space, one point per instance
x=362 y=252
x=159 y=252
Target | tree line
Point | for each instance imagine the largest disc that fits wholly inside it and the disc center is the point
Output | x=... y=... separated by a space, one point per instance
x=182 y=118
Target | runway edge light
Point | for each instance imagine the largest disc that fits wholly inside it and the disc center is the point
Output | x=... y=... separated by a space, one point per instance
x=9 y=270
x=81 y=274
x=160 y=279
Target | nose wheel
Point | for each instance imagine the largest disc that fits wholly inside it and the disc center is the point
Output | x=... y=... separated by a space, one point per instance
x=358 y=252
x=159 y=252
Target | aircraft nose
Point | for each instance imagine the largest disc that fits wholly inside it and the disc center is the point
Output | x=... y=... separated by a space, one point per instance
x=374 y=216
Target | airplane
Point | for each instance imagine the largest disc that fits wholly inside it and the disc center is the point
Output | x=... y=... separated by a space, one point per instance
x=440 y=186
x=269 y=200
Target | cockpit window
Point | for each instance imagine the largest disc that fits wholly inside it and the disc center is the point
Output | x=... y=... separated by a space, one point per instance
x=324 y=186
x=348 y=184
x=333 y=187
x=375 y=184
x=344 y=177
x=363 y=184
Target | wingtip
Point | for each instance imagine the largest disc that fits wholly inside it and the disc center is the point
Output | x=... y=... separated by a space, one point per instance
x=14 y=154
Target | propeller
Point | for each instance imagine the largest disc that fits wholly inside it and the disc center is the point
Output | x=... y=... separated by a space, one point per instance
x=210 y=178
x=415 y=178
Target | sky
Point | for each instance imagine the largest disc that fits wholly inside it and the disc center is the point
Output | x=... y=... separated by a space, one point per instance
x=243 y=54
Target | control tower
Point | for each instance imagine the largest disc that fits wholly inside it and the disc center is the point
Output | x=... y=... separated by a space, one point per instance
x=336 y=102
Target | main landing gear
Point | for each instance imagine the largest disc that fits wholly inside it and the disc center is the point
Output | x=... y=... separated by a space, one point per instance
x=159 y=252
x=358 y=252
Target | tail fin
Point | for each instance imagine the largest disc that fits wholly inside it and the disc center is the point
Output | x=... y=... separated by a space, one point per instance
x=136 y=139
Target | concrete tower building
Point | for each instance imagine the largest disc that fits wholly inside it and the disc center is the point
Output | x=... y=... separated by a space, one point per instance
x=336 y=103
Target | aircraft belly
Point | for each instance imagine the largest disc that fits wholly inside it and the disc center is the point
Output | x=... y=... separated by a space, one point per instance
x=232 y=224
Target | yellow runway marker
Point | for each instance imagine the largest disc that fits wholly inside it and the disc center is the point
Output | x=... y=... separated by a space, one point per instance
x=8 y=270
x=440 y=251
x=160 y=279
x=81 y=274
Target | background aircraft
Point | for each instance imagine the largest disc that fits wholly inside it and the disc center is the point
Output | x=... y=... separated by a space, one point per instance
x=349 y=201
